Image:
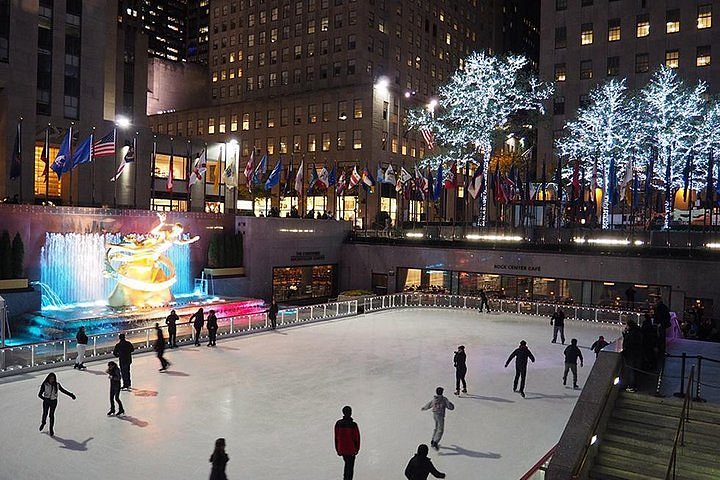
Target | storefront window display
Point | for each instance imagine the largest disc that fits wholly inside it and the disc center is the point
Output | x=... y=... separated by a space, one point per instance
x=298 y=284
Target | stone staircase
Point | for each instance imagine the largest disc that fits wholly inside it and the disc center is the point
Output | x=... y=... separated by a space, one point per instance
x=638 y=440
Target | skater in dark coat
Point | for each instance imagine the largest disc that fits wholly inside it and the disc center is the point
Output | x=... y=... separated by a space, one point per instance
x=49 y=394
x=420 y=466
x=123 y=351
x=484 y=301
x=198 y=320
x=219 y=460
x=212 y=327
x=572 y=353
x=171 y=322
x=347 y=441
x=82 y=341
x=558 y=322
x=521 y=355
x=114 y=373
x=460 y=369
x=272 y=314
x=160 y=348
x=599 y=344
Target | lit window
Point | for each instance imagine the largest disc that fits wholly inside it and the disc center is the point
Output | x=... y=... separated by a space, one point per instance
x=233 y=123
x=586 y=34
x=704 y=18
x=311 y=142
x=560 y=72
x=357 y=139
x=586 y=70
x=211 y=126
x=672 y=21
x=614 y=30
x=357 y=108
x=246 y=121
x=703 y=56
x=448 y=39
x=642 y=63
x=642 y=26
x=221 y=124
x=672 y=58
x=613 y=66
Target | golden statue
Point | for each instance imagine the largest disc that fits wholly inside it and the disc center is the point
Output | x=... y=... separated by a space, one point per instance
x=144 y=273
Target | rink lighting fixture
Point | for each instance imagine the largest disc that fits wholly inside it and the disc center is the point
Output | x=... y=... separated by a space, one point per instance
x=296 y=230
x=607 y=241
x=616 y=381
x=495 y=238
x=414 y=235
x=712 y=245
x=122 y=121
x=593 y=440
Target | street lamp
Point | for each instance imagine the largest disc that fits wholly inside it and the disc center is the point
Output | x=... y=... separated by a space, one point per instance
x=122 y=121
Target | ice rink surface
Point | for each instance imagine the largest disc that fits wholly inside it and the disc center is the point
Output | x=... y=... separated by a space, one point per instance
x=275 y=397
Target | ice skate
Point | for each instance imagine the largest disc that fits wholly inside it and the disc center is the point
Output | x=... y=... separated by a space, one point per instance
x=111 y=413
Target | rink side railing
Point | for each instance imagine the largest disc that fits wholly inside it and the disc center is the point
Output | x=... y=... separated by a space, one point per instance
x=37 y=356
x=519 y=307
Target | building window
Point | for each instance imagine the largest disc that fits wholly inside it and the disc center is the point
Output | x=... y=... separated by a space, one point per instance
x=560 y=5
x=326 y=141
x=703 y=56
x=211 y=126
x=284 y=117
x=560 y=37
x=325 y=112
x=297 y=115
x=342 y=110
x=341 y=140
x=672 y=21
x=613 y=66
x=642 y=63
x=586 y=70
x=642 y=25
x=586 y=34
x=297 y=144
x=258 y=120
x=559 y=106
x=246 y=122
x=560 y=72
x=311 y=142
x=586 y=3
x=233 y=124
x=614 y=30
x=221 y=125
x=704 y=17
x=271 y=119
x=672 y=58
x=283 y=145
x=357 y=108
x=584 y=100
x=312 y=113
x=357 y=139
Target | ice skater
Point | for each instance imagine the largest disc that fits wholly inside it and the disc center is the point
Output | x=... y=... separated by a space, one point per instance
x=347 y=441
x=272 y=314
x=160 y=348
x=171 y=322
x=459 y=360
x=82 y=341
x=572 y=353
x=521 y=355
x=48 y=393
x=558 y=321
x=439 y=404
x=484 y=301
x=123 y=351
x=420 y=466
x=114 y=374
x=599 y=344
x=212 y=327
x=198 y=320
x=219 y=460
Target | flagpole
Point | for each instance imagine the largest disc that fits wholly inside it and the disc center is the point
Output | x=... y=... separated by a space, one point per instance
x=187 y=175
x=152 y=172
x=204 y=200
x=92 y=167
x=135 y=169
x=70 y=151
x=115 y=166
x=46 y=147
x=19 y=154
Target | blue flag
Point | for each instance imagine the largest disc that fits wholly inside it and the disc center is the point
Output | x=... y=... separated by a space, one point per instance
x=274 y=177
x=62 y=161
x=332 y=177
x=313 y=177
x=438 y=184
x=610 y=188
x=380 y=177
x=82 y=153
x=558 y=179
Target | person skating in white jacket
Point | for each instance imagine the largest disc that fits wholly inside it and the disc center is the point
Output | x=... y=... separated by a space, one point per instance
x=439 y=404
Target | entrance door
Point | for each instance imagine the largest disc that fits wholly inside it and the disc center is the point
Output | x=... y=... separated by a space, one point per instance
x=380 y=283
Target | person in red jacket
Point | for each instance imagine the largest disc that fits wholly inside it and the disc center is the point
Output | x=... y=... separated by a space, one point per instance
x=347 y=441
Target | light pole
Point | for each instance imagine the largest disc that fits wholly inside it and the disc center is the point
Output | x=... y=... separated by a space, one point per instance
x=123 y=123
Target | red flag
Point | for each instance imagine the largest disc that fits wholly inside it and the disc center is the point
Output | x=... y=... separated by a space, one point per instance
x=451 y=179
x=44 y=158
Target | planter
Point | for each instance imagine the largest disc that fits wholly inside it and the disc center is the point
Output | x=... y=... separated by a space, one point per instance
x=225 y=272
x=14 y=284
x=360 y=299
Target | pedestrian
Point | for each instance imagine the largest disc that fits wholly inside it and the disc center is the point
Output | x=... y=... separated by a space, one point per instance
x=212 y=327
x=521 y=355
x=272 y=314
x=558 y=321
x=439 y=404
x=630 y=296
x=347 y=441
x=649 y=342
x=459 y=360
x=198 y=320
x=48 y=393
x=171 y=322
x=114 y=374
x=160 y=348
x=219 y=460
x=123 y=351
x=82 y=341
x=420 y=466
x=572 y=353
x=662 y=320
x=484 y=301
x=599 y=344
x=632 y=354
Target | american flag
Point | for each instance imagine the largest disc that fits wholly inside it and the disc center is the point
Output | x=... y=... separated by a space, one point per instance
x=105 y=146
x=429 y=137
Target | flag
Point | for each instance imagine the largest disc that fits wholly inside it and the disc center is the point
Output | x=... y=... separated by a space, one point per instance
x=626 y=180
x=476 y=182
x=169 y=183
x=260 y=170
x=324 y=177
x=289 y=180
x=313 y=178
x=341 y=184
x=249 y=168
x=367 y=179
x=558 y=179
x=404 y=176
x=429 y=137
x=380 y=177
x=332 y=176
x=274 y=177
x=438 y=183
x=421 y=183
x=354 y=178
x=399 y=186
x=82 y=153
x=218 y=173
x=16 y=162
x=389 y=176
x=576 y=180
x=495 y=184
x=709 y=182
x=44 y=157
x=451 y=180
x=105 y=146
x=543 y=181
x=128 y=158
x=299 y=176
x=611 y=188
x=686 y=174
x=199 y=168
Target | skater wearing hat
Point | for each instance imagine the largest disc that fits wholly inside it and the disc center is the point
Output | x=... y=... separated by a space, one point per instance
x=460 y=369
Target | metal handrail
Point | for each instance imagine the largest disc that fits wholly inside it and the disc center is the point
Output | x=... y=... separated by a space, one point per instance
x=680 y=430
x=540 y=465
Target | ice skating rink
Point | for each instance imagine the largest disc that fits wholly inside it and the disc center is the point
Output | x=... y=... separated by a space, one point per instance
x=275 y=397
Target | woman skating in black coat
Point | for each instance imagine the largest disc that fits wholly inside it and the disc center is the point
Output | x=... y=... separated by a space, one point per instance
x=49 y=394
x=219 y=460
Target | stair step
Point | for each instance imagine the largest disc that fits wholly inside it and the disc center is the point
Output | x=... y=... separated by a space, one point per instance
x=668 y=408
x=660 y=440
x=670 y=400
x=603 y=472
x=686 y=468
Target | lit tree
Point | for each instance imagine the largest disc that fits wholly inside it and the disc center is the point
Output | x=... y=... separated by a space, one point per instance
x=602 y=133
x=671 y=122
x=476 y=104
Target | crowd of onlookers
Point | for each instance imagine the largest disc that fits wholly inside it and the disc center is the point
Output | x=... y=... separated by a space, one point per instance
x=697 y=326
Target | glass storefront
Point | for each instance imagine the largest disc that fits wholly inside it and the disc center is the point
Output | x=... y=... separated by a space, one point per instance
x=582 y=292
x=300 y=284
